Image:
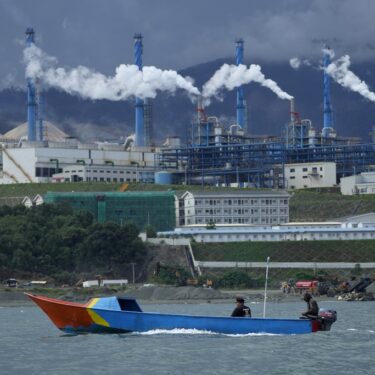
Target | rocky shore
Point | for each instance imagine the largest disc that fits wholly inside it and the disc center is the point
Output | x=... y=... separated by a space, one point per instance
x=149 y=294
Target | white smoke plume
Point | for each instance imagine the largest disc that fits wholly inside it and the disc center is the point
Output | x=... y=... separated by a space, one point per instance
x=232 y=76
x=340 y=72
x=127 y=82
x=329 y=51
x=296 y=62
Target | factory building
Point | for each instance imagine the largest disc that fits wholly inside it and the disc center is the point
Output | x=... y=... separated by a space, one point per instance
x=234 y=207
x=35 y=162
x=105 y=173
x=215 y=154
x=288 y=232
x=363 y=183
x=220 y=155
x=40 y=152
x=310 y=175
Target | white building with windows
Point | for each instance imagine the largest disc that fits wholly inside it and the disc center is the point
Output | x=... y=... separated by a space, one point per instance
x=234 y=207
x=282 y=232
x=105 y=173
x=41 y=161
x=310 y=175
x=363 y=183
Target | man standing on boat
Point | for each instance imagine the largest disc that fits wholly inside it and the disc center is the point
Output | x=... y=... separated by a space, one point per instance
x=312 y=307
x=241 y=310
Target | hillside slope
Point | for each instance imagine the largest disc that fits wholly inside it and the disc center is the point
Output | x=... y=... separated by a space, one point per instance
x=305 y=205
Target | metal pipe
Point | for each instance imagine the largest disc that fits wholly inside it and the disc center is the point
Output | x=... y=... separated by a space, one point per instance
x=292 y=111
x=139 y=105
x=265 y=288
x=31 y=93
x=240 y=106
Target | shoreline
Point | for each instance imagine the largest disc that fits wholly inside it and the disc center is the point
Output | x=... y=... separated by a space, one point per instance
x=151 y=294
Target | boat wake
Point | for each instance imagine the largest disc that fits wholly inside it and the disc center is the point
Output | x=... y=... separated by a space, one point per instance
x=183 y=331
x=175 y=331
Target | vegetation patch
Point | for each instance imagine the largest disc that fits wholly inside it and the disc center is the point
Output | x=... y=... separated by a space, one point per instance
x=325 y=204
x=53 y=241
x=287 y=251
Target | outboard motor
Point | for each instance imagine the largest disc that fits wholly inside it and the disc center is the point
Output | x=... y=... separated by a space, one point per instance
x=326 y=318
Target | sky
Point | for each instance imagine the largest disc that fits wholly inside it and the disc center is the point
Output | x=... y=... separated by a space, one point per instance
x=179 y=33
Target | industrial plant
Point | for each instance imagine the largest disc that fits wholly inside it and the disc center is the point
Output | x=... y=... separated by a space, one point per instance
x=213 y=155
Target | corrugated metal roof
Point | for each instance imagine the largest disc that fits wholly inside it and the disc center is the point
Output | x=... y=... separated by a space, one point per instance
x=265 y=230
x=241 y=192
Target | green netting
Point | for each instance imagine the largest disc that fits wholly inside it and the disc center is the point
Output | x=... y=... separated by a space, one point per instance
x=143 y=208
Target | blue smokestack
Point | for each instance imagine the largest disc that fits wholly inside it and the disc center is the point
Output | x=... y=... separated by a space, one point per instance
x=240 y=107
x=139 y=105
x=327 y=111
x=31 y=95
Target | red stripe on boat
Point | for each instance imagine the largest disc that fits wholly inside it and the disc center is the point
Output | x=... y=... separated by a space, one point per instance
x=62 y=313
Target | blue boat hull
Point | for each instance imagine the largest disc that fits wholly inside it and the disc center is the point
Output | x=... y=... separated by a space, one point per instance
x=143 y=322
x=116 y=315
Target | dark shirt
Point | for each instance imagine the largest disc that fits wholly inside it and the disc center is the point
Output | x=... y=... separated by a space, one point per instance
x=312 y=309
x=241 y=311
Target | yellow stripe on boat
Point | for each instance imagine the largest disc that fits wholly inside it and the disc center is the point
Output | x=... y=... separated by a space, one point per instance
x=94 y=316
x=92 y=302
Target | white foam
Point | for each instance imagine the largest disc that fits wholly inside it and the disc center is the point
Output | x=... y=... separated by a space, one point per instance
x=176 y=331
x=253 y=334
x=183 y=331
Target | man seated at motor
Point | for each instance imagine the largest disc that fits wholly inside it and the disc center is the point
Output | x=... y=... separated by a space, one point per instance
x=312 y=307
x=241 y=310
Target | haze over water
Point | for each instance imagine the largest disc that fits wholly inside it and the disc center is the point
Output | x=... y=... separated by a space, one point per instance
x=30 y=344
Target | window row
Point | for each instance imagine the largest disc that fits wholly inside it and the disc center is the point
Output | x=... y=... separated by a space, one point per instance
x=239 y=202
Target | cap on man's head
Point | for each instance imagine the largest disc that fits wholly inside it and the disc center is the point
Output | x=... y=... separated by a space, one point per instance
x=240 y=300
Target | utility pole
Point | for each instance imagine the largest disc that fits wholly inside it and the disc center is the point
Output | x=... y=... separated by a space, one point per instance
x=133 y=264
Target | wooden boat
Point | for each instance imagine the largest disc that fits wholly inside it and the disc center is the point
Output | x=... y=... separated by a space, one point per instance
x=120 y=315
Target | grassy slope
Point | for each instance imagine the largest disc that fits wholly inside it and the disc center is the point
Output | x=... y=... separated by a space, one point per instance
x=291 y=251
x=325 y=204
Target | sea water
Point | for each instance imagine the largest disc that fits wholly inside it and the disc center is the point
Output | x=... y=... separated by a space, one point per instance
x=30 y=344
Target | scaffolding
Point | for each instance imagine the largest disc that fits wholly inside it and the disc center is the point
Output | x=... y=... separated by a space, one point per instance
x=140 y=208
x=259 y=164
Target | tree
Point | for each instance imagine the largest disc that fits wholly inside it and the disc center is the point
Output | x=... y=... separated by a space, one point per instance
x=150 y=231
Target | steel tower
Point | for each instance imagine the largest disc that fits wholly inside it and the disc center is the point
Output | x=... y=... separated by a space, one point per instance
x=240 y=106
x=139 y=105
